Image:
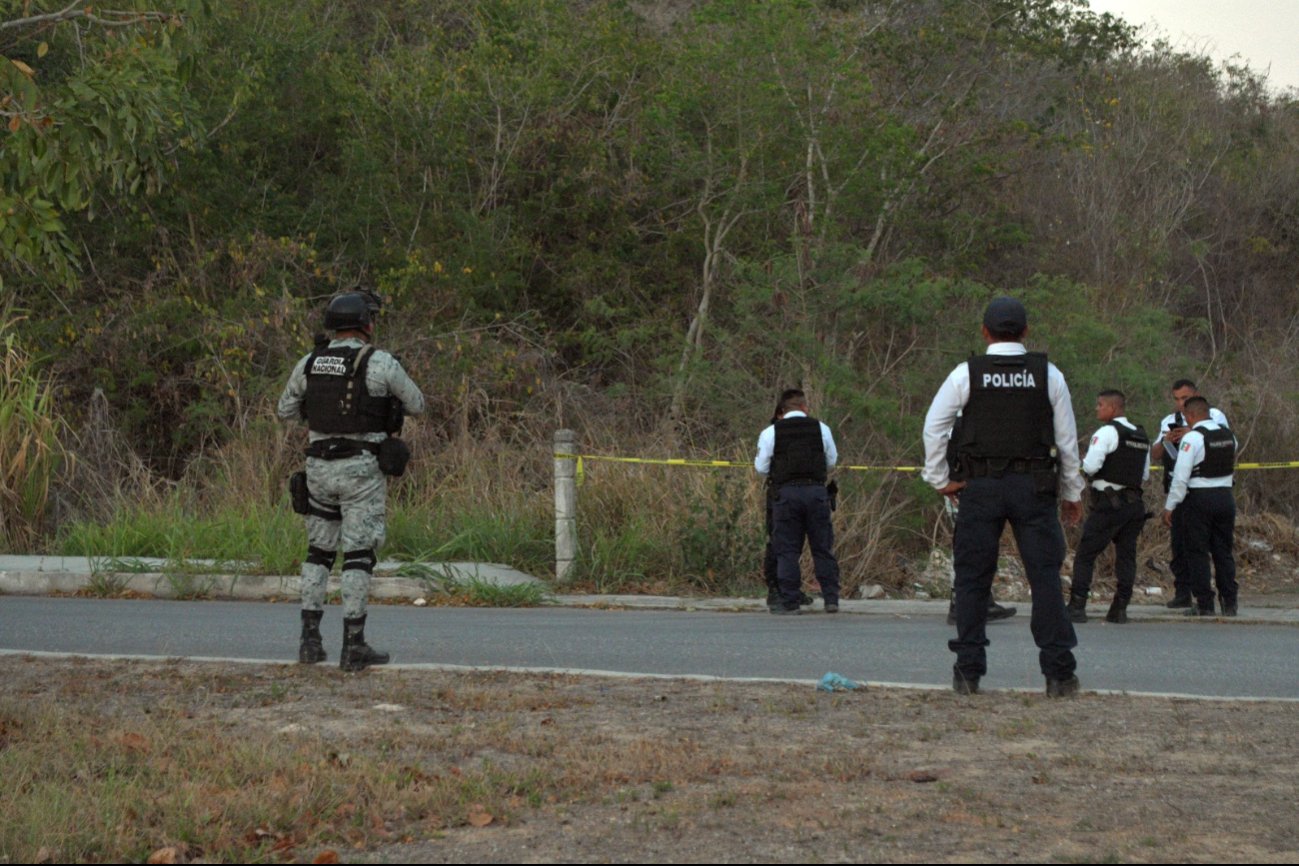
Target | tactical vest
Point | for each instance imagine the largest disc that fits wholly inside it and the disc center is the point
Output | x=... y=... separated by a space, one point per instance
x=1126 y=464
x=799 y=453
x=337 y=399
x=1219 y=454
x=1009 y=414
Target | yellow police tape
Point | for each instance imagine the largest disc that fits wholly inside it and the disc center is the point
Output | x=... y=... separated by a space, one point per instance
x=732 y=464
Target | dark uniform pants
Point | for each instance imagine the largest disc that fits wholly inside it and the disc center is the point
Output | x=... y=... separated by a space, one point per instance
x=986 y=505
x=1107 y=523
x=803 y=511
x=1177 y=547
x=769 y=552
x=1210 y=524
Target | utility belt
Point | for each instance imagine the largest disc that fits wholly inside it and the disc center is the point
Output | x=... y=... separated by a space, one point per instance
x=340 y=448
x=1113 y=500
x=802 y=482
x=995 y=467
x=392 y=452
x=1042 y=470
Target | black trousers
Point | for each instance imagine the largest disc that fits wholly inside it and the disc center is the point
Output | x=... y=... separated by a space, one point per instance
x=1177 y=545
x=987 y=505
x=769 y=552
x=1105 y=524
x=802 y=511
x=1210 y=524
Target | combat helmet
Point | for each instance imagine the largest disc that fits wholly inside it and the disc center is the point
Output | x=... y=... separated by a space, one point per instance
x=348 y=311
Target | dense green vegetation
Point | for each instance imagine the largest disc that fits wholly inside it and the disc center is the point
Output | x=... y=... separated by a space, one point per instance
x=640 y=220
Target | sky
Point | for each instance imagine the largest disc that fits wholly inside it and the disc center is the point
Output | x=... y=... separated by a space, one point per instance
x=1265 y=33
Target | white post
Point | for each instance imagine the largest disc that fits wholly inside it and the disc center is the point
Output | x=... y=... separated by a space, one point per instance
x=565 y=503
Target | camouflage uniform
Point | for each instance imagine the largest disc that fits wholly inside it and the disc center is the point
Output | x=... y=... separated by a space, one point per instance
x=352 y=488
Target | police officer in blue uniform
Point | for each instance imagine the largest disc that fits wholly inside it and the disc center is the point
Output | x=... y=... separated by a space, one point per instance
x=1201 y=492
x=796 y=453
x=1118 y=464
x=1018 y=448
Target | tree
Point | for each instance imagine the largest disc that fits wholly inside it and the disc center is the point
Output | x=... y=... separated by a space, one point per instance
x=92 y=102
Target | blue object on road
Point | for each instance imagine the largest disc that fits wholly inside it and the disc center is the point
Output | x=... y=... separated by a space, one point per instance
x=833 y=682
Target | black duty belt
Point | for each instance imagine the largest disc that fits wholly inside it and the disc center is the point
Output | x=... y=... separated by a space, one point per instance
x=995 y=467
x=1115 y=498
x=801 y=482
x=340 y=449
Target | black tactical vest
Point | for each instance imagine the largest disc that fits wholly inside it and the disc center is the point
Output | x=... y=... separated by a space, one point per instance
x=1126 y=464
x=1009 y=414
x=337 y=400
x=799 y=454
x=1219 y=454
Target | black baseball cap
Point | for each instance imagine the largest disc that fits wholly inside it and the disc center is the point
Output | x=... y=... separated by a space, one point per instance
x=1005 y=316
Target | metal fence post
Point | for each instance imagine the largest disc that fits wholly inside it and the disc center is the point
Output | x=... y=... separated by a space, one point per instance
x=565 y=502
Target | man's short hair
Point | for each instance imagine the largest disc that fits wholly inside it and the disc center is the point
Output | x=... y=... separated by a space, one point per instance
x=1115 y=395
x=1197 y=405
x=1184 y=383
x=792 y=399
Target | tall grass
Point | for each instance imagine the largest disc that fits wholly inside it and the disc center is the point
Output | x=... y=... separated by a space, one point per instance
x=31 y=447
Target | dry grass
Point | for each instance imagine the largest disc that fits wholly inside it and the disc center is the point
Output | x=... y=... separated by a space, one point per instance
x=113 y=761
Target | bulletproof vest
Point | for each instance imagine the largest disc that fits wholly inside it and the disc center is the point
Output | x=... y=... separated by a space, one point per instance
x=1009 y=414
x=337 y=400
x=799 y=454
x=1219 y=454
x=1126 y=464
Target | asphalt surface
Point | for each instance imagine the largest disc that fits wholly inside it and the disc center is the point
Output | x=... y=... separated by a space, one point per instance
x=1213 y=658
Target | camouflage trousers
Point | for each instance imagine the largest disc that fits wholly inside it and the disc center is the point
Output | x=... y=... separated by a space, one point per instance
x=356 y=491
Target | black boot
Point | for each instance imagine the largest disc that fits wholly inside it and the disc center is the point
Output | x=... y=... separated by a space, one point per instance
x=1180 y=599
x=1118 y=612
x=1077 y=608
x=995 y=611
x=357 y=654
x=998 y=611
x=311 y=649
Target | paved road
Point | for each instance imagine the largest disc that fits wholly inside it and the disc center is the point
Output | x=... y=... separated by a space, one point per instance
x=1213 y=659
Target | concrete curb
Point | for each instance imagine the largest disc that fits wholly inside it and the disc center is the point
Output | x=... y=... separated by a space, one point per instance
x=69 y=575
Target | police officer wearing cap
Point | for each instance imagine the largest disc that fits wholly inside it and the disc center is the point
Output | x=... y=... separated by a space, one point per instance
x=796 y=453
x=1118 y=464
x=1018 y=448
x=1201 y=492
x=352 y=397
x=1171 y=430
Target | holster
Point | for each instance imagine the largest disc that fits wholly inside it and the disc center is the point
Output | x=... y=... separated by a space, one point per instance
x=394 y=454
x=298 y=493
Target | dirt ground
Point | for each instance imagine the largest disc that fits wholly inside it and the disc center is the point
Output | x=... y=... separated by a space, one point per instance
x=567 y=768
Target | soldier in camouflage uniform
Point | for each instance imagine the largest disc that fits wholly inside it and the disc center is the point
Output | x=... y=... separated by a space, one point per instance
x=351 y=447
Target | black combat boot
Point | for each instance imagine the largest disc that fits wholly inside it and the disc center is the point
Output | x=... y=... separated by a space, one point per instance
x=1077 y=608
x=1180 y=599
x=311 y=650
x=357 y=654
x=1065 y=688
x=1118 y=612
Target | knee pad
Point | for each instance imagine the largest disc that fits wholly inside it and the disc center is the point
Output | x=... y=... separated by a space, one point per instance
x=359 y=560
x=320 y=556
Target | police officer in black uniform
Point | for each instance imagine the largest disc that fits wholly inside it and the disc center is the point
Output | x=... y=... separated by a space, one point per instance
x=796 y=453
x=1118 y=463
x=1201 y=491
x=769 y=550
x=1171 y=430
x=1018 y=448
